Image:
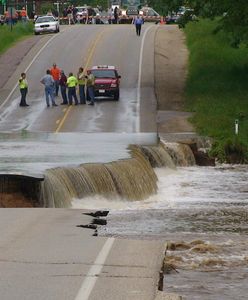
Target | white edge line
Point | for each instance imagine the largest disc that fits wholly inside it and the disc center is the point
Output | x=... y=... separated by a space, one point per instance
x=139 y=79
x=91 y=278
x=28 y=67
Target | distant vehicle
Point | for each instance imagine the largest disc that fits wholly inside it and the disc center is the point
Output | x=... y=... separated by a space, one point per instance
x=107 y=81
x=89 y=11
x=132 y=11
x=82 y=11
x=2 y=19
x=149 y=12
x=46 y=24
x=170 y=19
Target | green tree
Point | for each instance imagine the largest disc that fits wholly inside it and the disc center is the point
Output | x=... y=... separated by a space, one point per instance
x=165 y=6
x=233 y=16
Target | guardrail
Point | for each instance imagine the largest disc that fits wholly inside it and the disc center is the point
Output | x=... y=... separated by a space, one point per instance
x=98 y=19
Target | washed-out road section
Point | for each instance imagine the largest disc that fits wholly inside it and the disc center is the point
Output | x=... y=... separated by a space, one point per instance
x=44 y=255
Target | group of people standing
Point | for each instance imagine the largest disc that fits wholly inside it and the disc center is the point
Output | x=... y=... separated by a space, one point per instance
x=56 y=79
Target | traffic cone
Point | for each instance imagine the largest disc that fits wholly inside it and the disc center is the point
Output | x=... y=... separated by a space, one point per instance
x=162 y=22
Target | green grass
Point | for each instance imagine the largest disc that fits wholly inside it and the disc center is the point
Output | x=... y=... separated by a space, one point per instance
x=217 y=88
x=9 y=38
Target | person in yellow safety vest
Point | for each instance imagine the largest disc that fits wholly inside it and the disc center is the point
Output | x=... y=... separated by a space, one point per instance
x=91 y=88
x=23 y=85
x=72 y=82
x=81 y=84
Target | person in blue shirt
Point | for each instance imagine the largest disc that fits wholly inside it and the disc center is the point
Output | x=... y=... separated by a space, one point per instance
x=138 y=23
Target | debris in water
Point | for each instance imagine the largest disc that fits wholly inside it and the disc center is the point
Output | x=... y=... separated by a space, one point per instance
x=99 y=213
x=99 y=221
x=90 y=226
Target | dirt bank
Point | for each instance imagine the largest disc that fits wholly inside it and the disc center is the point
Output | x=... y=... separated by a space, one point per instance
x=171 y=57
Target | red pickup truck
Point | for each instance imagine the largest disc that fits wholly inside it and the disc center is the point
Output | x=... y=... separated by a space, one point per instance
x=107 y=81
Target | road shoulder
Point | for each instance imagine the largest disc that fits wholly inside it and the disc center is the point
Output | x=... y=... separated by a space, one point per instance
x=171 y=59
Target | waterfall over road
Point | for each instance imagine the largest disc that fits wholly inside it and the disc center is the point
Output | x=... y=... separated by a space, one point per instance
x=130 y=179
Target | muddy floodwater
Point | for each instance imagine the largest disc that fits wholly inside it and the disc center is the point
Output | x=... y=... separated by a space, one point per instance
x=202 y=212
x=34 y=152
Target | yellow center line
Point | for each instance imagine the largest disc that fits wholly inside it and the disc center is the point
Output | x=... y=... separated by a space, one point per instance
x=63 y=119
x=88 y=61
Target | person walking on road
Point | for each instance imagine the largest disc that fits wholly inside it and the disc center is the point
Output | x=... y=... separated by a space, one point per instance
x=23 y=85
x=81 y=84
x=71 y=84
x=138 y=23
x=116 y=12
x=48 y=82
x=55 y=72
x=90 y=88
x=62 y=83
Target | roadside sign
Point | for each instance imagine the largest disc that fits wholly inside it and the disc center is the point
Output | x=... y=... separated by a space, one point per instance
x=12 y=12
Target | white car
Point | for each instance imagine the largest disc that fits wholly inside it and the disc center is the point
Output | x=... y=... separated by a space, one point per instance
x=46 y=24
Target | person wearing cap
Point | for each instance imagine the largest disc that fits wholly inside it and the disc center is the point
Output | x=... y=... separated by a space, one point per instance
x=91 y=87
x=62 y=83
x=55 y=72
x=23 y=85
x=71 y=84
x=81 y=84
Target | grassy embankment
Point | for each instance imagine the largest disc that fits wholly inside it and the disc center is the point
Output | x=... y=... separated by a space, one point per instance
x=8 y=38
x=217 y=90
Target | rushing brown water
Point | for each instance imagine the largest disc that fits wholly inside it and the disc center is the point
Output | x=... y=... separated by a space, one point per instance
x=202 y=213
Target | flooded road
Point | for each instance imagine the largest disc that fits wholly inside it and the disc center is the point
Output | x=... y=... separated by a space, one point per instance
x=202 y=212
x=31 y=153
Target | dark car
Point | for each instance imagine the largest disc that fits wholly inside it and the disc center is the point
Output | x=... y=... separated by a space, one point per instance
x=132 y=11
x=107 y=81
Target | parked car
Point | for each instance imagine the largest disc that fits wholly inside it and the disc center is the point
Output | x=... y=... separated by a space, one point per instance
x=149 y=12
x=2 y=19
x=107 y=81
x=46 y=24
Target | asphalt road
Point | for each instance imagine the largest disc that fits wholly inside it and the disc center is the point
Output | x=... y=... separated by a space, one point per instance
x=44 y=255
x=85 y=46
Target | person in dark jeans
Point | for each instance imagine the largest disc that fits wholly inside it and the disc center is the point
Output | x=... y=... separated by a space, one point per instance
x=62 y=83
x=72 y=82
x=138 y=23
x=23 y=85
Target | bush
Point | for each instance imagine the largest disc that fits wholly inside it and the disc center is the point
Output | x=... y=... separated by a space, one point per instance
x=8 y=37
x=217 y=89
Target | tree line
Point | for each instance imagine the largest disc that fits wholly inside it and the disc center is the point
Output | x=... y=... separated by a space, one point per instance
x=233 y=15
